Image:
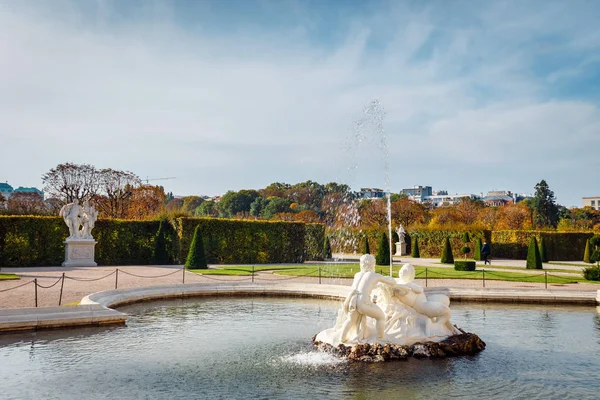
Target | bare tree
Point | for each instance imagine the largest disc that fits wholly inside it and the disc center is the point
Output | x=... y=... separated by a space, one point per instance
x=115 y=188
x=71 y=181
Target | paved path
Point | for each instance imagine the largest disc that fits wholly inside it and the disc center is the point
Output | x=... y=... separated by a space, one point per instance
x=81 y=282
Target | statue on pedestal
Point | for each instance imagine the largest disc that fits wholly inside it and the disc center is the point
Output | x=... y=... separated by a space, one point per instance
x=77 y=217
x=71 y=213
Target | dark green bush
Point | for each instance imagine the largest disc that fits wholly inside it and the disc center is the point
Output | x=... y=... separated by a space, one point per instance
x=534 y=261
x=415 y=250
x=196 y=258
x=160 y=255
x=464 y=265
x=465 y=250
x=366 y=249
x=543 y=252
x=447 y=257
x=465 y=237
x=383 y=252
x=592 y=273
x=477 y=255
x=587 y=253
x=395 y=237
x=327 y=249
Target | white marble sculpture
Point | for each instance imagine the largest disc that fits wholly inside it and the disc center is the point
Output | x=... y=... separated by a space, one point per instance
x=88 y=219
x=401 y=234
x=384 y=310
x=79 y=246
x=77 y=217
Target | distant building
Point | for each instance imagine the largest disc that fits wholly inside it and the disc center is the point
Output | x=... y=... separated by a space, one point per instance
x=417 y=193
x=370 y=193
x=442 y=200
x=6 y=190
x=22 y=189
x=498 y=198
x=593 y=202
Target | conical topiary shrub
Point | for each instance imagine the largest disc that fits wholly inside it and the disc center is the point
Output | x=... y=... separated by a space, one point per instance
x=366 y=249
x=196 y=258
x=543 y=252
x=395 y=237
x=383 y=252
x=477 y=253
x=415 y=250
x=534 y=260
x=327 y=247
x=466 y=238
x=159 y=254
x=587 y=254
x=447 y=257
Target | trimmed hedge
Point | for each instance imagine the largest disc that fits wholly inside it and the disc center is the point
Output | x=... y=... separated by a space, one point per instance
x=464 y=265
x=415 y=250
x=314 y=239
x=431 y=240
x=38 y=241
x=560 y=246
x=478 y=246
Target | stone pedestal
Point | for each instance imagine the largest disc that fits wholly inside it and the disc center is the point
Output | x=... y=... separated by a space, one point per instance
x=79 y=253
x=400 y=249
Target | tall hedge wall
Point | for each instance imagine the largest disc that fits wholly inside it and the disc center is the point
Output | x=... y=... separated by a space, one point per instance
x=228 y=241
x=38 y=241
x=560 y=246
x=431 y=242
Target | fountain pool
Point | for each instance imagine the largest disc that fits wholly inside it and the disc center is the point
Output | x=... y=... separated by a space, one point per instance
x=261 y=348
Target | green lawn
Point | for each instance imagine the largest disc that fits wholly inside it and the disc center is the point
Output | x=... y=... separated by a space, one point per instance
x=7 y=277
x=348 y=271
x=582 y=265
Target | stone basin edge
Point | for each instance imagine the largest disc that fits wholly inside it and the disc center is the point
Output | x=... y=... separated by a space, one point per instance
x=98 y=308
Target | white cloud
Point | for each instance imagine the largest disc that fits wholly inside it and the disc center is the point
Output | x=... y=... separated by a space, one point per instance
x=228 y=111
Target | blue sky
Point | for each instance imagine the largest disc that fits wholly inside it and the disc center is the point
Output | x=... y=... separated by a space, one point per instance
x=238 y=94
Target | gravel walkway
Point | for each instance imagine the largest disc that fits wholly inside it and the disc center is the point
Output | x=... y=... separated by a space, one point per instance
x=79 y=282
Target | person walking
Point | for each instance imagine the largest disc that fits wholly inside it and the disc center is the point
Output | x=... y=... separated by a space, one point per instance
x=485 y=252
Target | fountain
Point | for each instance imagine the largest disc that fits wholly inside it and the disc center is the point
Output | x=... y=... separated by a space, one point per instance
x=385 y=319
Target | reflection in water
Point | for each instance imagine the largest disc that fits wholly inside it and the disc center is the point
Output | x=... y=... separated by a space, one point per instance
x=260 y=348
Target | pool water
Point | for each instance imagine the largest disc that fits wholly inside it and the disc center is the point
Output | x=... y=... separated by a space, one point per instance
x=260 y=348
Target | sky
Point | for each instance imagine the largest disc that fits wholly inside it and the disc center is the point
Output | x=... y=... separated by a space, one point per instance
x=236 y=94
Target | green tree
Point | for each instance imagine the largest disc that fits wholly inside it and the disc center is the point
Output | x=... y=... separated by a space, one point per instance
x=196 y=258
x=275 y=205
x=383 y=252
x=190 y=203
x=477 y=255
x=415 y=249
x=587 y=254
x=207 y=209
x=466 y=238
x=160 y=255
x=545 y=210
x=534 y=260
x=327 y=247
x=233 y=203
x=366 y=249
x=543 y=252
x=447 y=257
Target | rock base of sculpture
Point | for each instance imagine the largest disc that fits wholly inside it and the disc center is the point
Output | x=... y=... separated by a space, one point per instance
x=400 y=249
x=79 y=253
x=457 y=345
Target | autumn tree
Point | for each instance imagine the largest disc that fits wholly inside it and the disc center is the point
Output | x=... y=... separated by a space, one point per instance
x=114 y=192
x=190 y=203
x=408 y=212
x=514 y=216
x=2 y=202
x=26 y=203
x=71 y=181
x=146 y=202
